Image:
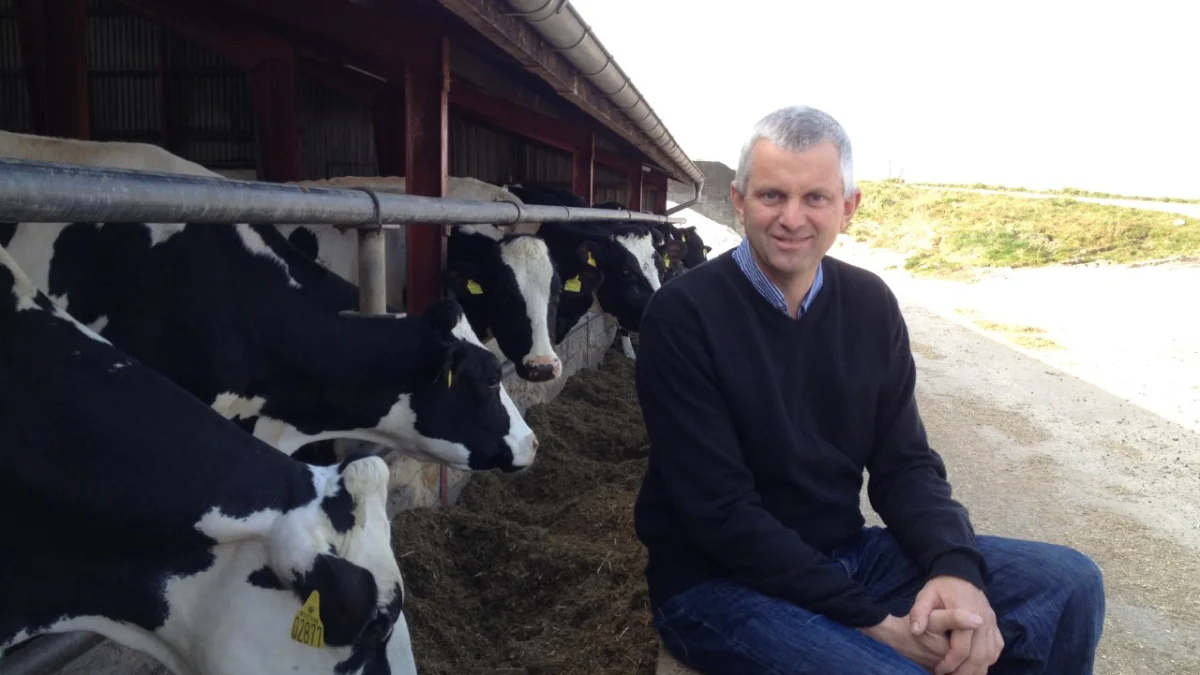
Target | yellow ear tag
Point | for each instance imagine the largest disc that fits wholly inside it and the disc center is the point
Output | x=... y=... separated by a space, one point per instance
x=474 y=288
x=307 y=627
x=449 y=379
x=573 y=285
x=683 y=238
x=591 y=260
x=666 y=261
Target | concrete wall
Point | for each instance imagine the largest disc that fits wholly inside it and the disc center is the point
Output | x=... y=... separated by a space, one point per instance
x=714 y=201
x=414 y=484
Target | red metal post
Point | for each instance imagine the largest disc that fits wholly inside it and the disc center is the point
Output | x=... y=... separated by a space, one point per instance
x=273 y=83
x=634 y=190
x=582 y=182
x=389 y=115
x=426 y=95
x=659 y=181
x=53 y=35
x=426 y=159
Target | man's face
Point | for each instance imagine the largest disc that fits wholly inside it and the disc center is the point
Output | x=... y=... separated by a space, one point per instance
x=793 y=208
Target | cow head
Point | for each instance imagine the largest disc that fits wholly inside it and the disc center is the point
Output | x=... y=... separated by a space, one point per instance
x=631 y=273
x=508 y=286
x=695 y=251
x=582 y=276
x=316 y=590
x=464 y=417
x=437 y=397
x=671 y=250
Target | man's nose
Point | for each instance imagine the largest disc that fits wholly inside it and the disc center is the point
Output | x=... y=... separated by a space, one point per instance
x=793 y=216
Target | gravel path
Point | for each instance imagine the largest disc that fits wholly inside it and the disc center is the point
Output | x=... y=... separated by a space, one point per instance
x=1038 y=452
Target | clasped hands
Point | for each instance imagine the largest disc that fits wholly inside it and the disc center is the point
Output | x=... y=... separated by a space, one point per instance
x=945 y=605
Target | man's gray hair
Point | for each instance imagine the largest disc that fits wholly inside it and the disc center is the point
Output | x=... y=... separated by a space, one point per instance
x=796 y=129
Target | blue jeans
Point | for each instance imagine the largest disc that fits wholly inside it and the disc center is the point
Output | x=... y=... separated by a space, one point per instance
x=1048 y=599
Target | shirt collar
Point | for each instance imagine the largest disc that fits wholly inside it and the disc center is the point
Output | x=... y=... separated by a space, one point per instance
x=744 y=258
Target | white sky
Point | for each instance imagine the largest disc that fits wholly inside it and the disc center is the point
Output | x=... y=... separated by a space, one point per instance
x=1040 y=94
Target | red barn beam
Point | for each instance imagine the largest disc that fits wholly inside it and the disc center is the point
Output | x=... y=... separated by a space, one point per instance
x=562 y=134
x=55 y=54
x=659 y=181
x=634 y=190
x=389 y=112
x=396 y=39
x=582 y=174
x=223 y=32
x=426 y=164
x=273 y=83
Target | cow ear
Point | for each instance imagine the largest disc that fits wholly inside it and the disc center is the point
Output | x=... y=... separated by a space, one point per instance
x=343 y=595
x=707 y=250
x=453 y=361
x=589 y=254
x=675 y=250
x=444 y=314
x=590 y=281
x=657 y=235
x=465 y=280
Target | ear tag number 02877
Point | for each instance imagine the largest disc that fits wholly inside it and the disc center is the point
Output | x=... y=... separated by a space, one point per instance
x=306 y=626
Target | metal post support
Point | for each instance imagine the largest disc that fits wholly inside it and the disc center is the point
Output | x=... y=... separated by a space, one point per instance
x=372 y=271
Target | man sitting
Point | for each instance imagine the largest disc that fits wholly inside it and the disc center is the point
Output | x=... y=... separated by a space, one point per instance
x=769 y=378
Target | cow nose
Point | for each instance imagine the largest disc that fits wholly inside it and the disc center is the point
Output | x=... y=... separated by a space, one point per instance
x=541 y=371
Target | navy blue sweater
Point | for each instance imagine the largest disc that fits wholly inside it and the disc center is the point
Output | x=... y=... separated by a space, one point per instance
x=760 y=428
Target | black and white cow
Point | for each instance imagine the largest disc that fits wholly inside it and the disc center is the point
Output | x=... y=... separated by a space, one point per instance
x=694 y=252
x=509 y=289
x=667 y=242
x=131 y=509
x=624 y=252
x=507 y=284
x=251 y=326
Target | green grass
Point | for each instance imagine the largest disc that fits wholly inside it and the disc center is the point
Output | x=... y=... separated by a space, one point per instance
x=1069 y=191
x=945 y=231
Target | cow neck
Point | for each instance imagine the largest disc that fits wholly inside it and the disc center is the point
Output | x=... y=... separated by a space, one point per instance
x=311 y=335
x=366 y=348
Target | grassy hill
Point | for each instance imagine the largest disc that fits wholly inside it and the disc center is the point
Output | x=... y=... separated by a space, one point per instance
x=1069 y=191
x=947 y=231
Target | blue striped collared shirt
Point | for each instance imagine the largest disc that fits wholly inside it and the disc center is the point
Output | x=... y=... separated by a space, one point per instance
x=745 y=261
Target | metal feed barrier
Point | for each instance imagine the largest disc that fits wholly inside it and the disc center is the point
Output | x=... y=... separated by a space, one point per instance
x=43 y=192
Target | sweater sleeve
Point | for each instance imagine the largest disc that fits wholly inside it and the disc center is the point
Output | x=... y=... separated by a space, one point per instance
x=695 y=449
x=908 y=485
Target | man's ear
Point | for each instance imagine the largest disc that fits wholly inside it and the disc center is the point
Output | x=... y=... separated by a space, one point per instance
x=465 y=280
x=850 y=207
x=738 y=201
x=344 y=595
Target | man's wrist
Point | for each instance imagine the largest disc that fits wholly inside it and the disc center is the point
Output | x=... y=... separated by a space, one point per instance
x=961 y=565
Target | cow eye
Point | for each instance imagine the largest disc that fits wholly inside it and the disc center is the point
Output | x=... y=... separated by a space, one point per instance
x=378 y=631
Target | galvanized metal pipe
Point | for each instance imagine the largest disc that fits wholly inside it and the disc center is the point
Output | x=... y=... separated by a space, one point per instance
x=47 y=654
x=45 y=192
x=695 y=198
